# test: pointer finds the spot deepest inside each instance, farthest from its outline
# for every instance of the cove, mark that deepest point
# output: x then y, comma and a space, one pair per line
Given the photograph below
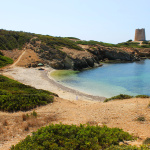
110, 79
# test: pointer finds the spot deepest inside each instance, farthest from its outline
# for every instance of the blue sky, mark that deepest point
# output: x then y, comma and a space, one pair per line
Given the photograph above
110, 21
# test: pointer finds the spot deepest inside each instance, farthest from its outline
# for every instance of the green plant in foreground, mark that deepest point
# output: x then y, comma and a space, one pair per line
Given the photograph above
66, 137
15, 96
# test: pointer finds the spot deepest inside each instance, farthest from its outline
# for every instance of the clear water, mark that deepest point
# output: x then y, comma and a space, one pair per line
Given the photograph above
112, 79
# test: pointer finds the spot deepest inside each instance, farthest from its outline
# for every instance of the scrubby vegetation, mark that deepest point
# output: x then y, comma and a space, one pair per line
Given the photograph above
58, 41
15, 96
91, 42
13, 39
73, 38
4, 60
124, 44
121, 96
66, 137
128, 147
142, 96
147, 141
141, 118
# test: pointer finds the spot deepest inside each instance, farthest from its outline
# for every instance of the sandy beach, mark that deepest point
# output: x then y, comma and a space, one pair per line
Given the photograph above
41, 79
67, 110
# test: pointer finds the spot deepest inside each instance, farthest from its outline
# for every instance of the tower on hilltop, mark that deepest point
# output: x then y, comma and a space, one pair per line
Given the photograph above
140, 35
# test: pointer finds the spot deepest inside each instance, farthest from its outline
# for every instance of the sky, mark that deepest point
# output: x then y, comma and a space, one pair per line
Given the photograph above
111, 21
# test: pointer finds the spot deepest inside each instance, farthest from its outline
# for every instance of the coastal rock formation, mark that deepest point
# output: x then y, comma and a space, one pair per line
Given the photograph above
66, 53
89, 57
116, 53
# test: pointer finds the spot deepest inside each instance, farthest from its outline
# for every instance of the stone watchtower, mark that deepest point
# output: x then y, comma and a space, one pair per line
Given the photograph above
140, 35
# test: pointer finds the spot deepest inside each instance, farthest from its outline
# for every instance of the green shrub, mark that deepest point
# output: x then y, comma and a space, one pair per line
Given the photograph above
52, 42
127, 147
142, 96
1, 53
91, 42
147, 141
145, 42
15, 96
73, 38
121, 96
5, 61
34, 114
16, 39
141, 118
12, 39
83, 137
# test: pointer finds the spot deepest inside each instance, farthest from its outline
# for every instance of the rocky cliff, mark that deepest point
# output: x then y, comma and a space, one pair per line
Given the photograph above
89, 56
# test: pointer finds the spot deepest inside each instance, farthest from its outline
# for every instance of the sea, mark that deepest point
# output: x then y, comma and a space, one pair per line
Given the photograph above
109, 80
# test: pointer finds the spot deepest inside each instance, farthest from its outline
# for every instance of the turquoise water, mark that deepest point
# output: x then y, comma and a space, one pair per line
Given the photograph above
112, 79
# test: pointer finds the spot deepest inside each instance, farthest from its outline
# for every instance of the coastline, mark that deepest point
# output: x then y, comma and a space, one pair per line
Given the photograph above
41, 79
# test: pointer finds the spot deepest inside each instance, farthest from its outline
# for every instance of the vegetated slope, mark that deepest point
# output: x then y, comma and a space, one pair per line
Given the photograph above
65, 53
73, 137
15, 96
4, 60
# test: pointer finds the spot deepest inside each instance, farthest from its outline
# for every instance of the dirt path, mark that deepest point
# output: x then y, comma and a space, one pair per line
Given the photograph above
19, 58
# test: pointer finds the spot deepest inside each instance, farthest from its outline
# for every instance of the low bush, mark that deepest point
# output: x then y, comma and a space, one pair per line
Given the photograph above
5, 61
141, 118
147, 141
73, 38
127, 147
54, 42
66, 137
34, 114
121, 96
91, 42
15, 96
142, 96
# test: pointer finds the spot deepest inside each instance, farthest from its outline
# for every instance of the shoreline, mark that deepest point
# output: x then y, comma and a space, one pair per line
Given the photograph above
41, 79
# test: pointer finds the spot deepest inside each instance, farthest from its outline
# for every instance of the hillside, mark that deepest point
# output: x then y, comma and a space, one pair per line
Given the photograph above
4, 60
19, 97
69, 52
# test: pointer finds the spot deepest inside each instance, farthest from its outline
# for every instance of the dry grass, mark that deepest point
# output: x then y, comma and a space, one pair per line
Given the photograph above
1, 130
5, 122
25, 117
21, 125
92, 123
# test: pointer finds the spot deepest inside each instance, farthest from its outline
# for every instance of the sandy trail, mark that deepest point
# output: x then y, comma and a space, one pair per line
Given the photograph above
17, 61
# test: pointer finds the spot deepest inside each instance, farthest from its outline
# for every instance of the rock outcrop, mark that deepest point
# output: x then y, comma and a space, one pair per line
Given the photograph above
89, 57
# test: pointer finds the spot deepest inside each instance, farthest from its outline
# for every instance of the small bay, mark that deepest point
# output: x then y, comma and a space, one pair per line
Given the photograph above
110, 79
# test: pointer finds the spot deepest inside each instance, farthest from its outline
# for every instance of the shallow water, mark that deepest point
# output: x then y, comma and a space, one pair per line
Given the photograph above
110, 79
